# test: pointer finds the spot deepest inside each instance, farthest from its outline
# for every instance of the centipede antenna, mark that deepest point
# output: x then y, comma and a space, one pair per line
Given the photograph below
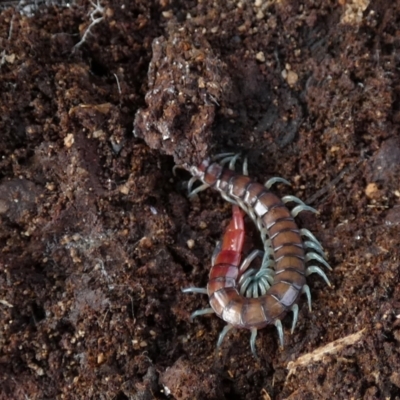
298, 209
195, 290
279, 328
199, 189
317, 270
306, 233
272, 181
295, 310
306, 290
314, 256
204, 311
312, 245
223, 333
175, 167
253, 337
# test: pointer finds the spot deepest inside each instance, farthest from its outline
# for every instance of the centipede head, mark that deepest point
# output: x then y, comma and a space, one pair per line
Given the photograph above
199, 171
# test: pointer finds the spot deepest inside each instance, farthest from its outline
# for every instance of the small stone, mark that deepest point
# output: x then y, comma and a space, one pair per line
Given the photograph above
167, 14
202, 225
100, 358
371, 190
190, 243
393, 216
98, 134
145, 242
10, 59
395, 379
292, 78
124, 189
260, 56
69, 140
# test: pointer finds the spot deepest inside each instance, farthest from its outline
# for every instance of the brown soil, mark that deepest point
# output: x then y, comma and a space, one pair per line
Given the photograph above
97, 236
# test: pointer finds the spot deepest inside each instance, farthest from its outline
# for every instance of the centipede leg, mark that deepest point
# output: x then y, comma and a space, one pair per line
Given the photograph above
306, 290
198, 313
228, 199
231, 159
222, 155
249, 259
253, 337
245, 167
298, 209
199, 189
295, 310
272, 181
314, 256
278, 325
194, 290
306, 233
223, 333
315, 246
316, 270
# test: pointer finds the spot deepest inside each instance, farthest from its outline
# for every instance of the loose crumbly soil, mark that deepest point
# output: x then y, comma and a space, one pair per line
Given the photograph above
98, 236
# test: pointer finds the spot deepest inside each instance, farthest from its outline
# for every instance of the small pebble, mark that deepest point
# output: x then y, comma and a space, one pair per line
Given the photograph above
260, 56
292, 78
69, 140
371, 190
393, 217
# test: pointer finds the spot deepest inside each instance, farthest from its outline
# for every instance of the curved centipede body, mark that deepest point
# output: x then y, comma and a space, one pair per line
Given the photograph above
284, 258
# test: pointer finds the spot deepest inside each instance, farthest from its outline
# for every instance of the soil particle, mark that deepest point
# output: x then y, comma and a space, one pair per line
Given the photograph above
385, 164
393, 216
186, 381
18, 198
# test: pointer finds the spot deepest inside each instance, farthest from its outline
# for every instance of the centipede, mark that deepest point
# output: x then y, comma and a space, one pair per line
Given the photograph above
242, 296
